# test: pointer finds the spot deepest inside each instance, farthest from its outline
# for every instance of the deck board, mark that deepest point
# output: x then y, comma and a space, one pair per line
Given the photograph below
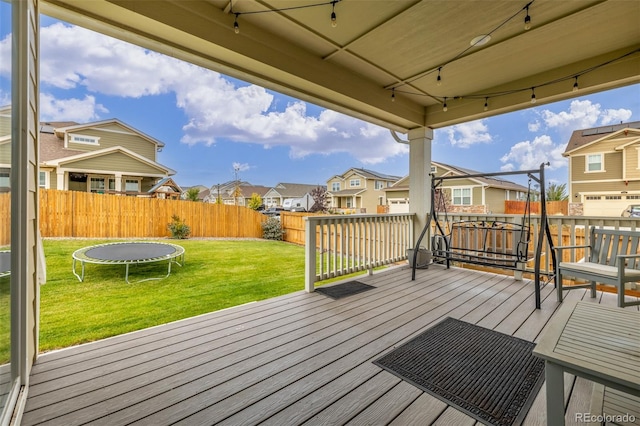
296, 359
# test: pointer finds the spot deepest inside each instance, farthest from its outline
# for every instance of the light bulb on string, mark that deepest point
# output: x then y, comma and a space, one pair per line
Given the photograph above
575, 85
444, 106
236, 26
533, 96
486, 104
334, 22
527, 20
393, 95
439, 79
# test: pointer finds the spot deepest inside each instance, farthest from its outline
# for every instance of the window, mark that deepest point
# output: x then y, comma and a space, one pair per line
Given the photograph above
349, 203
42, 182
112, 184
4, 179
594, 163
462, 196
633, 197
90, 140
379, 184
132, 185
434, 170
354, 183
592, 197
335, 186
97, 185
613, 197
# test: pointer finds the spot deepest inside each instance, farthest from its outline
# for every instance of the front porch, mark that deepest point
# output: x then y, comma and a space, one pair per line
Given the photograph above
301, 358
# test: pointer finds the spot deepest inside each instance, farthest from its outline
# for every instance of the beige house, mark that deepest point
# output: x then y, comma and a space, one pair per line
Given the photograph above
604, 168
103, 157
359, 190
468, 195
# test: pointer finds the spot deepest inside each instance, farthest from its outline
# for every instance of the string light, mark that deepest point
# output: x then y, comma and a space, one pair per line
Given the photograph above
527, 19
533, 95
575, 85
393, 95
444, 106
486, 104
439, 79
334, 22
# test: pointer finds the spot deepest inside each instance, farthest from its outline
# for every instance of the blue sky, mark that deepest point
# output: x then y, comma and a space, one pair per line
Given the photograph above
211, 123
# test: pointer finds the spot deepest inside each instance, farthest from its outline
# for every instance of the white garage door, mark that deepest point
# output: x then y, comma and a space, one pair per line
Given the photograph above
398, 206
606, 205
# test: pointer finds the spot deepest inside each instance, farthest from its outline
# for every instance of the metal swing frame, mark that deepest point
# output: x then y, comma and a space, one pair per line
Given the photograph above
484, 233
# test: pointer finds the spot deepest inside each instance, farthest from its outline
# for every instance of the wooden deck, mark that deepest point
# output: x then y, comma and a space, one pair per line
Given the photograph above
296, 359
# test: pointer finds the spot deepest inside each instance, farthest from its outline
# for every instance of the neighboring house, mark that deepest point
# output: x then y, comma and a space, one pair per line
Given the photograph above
203, 192
604, 168
468, 195
361, 190
276, 196
235, 192
103, 157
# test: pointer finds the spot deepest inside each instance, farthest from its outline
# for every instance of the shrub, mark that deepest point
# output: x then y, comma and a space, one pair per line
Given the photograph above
272, 229
178, 228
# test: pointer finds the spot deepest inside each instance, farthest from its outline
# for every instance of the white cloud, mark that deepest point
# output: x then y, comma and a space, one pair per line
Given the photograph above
216, 108
528, 155
535, 126
467, 134
583, 115
240, 167
80, 110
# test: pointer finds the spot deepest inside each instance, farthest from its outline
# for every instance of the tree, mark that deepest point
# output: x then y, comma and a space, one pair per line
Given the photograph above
192, 194
557, 192
255, 201
319, 196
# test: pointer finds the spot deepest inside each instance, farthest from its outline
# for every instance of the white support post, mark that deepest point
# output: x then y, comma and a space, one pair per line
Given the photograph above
420, 179
309, 255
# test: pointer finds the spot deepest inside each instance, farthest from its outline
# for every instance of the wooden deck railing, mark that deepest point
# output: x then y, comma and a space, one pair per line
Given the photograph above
342, 244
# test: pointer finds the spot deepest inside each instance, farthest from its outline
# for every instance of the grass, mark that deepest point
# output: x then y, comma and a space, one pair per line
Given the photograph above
217, 274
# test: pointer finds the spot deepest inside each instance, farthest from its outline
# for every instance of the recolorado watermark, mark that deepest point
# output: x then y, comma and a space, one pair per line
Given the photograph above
602, 418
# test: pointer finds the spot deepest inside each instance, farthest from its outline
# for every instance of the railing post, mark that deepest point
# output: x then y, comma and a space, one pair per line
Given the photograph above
309, 254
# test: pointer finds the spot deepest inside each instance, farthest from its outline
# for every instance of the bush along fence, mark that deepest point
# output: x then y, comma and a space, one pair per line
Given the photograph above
87, 215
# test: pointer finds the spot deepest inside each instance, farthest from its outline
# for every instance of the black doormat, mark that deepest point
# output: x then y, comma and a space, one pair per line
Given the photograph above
491, 376
339, 291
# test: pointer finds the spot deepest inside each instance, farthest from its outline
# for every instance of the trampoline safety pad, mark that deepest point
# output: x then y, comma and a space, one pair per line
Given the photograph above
128, 253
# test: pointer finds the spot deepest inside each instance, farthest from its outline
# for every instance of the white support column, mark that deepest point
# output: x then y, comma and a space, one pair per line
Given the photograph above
420, 180
61, 184
118, 179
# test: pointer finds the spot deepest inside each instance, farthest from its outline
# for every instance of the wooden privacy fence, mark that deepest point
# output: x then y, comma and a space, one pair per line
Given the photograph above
553, 207
83, 214
5, 218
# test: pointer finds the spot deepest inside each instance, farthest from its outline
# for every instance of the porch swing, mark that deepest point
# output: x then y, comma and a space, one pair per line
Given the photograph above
484, 242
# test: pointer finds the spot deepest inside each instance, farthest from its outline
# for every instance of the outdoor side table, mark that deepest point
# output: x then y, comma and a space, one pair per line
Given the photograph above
596, 342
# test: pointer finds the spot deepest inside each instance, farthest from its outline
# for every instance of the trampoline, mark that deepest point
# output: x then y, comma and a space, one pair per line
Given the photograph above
128, 253
5, 263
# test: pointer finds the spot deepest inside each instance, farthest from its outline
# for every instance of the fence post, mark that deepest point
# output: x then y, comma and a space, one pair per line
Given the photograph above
309, 254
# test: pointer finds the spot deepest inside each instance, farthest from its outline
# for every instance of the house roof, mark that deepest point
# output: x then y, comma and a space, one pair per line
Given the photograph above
347, 192
584, 137
61, 129
294, 190
82, 155
166, 182
493, 182
369, 174
52, 147
249, 190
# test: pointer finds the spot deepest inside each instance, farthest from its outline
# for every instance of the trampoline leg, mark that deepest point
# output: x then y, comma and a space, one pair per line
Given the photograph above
126, 273
73, 268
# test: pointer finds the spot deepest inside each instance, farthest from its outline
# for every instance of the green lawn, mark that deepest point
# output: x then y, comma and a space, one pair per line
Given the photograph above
217, 274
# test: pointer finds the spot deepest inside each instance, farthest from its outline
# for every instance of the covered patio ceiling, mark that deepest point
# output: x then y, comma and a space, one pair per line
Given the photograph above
385, 49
